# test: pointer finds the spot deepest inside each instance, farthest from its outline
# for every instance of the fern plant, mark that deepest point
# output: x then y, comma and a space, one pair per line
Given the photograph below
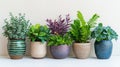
38, 33
16, 27
80, 29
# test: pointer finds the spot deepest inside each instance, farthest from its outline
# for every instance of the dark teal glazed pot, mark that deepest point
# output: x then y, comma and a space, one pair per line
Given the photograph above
103, 49
16, 49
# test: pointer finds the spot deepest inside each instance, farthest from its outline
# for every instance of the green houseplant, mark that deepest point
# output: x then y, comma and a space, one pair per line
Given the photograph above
38, 35
16, 29
59, 40
80, 32
103, 44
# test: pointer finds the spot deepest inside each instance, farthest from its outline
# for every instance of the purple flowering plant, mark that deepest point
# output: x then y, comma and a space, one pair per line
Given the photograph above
59, 26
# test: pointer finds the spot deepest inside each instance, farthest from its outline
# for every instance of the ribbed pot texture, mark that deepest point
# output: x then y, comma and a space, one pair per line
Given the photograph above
16, 48
103, 49
38, 50
82, 50
60, 52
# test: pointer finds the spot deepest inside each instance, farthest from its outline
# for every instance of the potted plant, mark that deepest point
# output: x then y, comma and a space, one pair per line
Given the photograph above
59, 40
80, 32
16, 30
60, 46
38, 35
103, 44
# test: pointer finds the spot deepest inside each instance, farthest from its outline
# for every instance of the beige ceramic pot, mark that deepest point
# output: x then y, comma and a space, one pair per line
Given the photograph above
38, 50
82, 50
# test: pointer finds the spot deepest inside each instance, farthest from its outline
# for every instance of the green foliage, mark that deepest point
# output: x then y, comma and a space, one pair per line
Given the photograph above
104, 33
56, 40
80, 29
16, 27
38, 33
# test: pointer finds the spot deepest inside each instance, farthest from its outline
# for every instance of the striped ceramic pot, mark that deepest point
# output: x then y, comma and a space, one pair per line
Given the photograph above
16, 49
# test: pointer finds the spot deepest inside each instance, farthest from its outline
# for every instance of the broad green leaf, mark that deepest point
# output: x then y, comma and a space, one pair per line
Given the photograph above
81, 18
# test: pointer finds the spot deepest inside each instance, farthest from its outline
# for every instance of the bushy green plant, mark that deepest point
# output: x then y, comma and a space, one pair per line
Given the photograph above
56, 40
104, 33
38, 33
16, 27
80, 29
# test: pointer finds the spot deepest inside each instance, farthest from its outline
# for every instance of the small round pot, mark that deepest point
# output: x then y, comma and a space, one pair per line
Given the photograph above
38, 50
103, 49
60, 52
82, 50
16, 48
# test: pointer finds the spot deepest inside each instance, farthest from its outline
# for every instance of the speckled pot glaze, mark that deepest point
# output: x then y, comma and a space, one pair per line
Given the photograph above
103, 49
38, 50
82, 50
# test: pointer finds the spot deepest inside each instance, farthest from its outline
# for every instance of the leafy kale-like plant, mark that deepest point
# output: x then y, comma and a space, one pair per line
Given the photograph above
16, 27
104, 33
56, 40
80, 29
59, 31
59, 26
38, 33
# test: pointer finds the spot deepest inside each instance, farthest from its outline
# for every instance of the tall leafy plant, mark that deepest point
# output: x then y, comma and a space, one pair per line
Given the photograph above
104, 33
38, 33
16, 27
80, 29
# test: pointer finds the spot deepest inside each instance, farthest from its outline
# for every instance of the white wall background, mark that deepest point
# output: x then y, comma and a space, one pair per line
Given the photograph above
39, 10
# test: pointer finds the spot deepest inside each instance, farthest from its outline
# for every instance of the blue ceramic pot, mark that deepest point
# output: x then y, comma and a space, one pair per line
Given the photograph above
16, 48
103, 49
60, 52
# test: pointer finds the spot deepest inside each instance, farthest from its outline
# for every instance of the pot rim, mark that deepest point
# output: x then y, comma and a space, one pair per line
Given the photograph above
63, 45
82, 43
38, 42
17, 39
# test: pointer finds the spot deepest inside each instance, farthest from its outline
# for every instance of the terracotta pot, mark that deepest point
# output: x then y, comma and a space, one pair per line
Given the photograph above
82, 50
38, 50
16, 48
60, 52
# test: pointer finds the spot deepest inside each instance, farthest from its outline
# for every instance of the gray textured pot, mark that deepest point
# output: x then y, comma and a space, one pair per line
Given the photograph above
60, 52
16, 49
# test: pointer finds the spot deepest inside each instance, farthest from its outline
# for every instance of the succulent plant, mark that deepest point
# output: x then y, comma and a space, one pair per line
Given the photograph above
60, 26
16, 27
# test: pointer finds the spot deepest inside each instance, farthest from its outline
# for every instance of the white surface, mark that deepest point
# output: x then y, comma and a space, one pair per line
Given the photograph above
39, 10
114, 61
